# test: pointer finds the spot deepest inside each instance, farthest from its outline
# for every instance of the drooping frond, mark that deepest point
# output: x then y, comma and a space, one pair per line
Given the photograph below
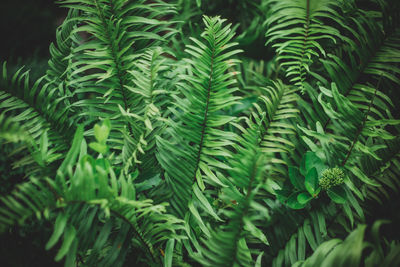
60, 62
375, 60
59, 72
32, 198
298, 30
384, 171
33, 108
11, 131
349, 252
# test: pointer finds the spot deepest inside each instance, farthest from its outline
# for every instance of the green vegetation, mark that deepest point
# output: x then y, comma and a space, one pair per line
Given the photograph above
163, 135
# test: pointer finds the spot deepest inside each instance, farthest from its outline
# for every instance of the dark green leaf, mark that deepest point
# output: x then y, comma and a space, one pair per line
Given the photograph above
311, 182
337, 194
304, 198
313, 161
293, 203
296, 178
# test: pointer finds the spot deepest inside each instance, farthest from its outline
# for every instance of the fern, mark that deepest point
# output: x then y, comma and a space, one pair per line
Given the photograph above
302, 41
152, 139
208, 92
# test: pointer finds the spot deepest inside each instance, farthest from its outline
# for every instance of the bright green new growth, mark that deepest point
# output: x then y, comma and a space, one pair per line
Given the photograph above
331, 177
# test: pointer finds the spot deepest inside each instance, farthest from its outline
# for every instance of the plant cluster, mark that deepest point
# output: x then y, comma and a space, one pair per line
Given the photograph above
152, 140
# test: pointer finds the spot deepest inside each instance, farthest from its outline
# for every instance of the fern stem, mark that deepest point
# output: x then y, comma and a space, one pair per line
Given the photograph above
246, 202
113, 54
362, 125
303, 51
148, 246
359, 74
204, 123
62, 131
137, 232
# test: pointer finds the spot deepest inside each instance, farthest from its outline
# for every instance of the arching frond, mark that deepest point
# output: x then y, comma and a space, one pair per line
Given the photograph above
33, 107
12, 132
336, 252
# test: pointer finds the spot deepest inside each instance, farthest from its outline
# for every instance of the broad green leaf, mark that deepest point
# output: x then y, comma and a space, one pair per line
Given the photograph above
102, 131
304, 198
313, 161
311, 182
282, 195
98, 147
293, 203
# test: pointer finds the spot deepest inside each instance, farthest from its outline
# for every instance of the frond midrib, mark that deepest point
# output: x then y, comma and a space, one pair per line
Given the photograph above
204, 123
54, 125
247, 201
114, 56
360, 73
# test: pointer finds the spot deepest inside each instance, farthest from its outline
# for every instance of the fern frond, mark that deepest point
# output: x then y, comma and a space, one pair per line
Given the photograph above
90, 183
190, 156
10, 131
384, 171
33, 107
148, 108
298, 29
349, 252
32, 198
60, 62
227, 246
277, 105
118, 32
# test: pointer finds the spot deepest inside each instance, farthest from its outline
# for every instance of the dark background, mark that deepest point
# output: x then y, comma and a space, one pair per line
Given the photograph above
27, 27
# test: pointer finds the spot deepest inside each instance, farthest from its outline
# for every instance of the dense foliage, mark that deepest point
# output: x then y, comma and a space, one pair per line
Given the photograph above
157, 137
